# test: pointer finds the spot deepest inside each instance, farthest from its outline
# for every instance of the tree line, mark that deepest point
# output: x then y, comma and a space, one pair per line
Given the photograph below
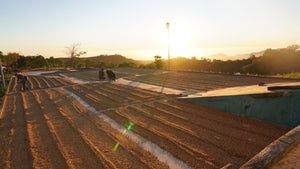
15, 62
273, 61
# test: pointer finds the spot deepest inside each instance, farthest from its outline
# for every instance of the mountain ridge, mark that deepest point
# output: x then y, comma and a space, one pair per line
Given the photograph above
221, 56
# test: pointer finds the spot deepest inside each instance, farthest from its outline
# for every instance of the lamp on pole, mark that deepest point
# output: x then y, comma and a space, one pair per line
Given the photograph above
168, 43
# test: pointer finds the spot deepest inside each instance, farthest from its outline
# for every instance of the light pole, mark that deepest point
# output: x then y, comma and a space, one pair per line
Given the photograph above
168, 43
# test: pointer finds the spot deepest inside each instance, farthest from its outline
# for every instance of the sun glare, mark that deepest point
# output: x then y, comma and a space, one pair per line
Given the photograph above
178, 41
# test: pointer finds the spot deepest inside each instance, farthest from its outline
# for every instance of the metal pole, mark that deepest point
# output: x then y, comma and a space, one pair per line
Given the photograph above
2, 74
168, 43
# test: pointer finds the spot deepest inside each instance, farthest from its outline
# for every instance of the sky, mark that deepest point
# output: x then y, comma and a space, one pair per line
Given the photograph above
137, 28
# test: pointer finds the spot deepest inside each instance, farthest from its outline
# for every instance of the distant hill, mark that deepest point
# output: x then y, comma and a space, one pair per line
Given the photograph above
117, 59
111, 58
222, 56
245, 56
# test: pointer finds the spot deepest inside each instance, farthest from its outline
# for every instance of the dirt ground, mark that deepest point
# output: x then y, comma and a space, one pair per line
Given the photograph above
187, 81
195, 81
45, 127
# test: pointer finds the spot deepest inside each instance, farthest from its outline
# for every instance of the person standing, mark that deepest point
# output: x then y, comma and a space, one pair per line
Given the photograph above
22, 79
101, 74
111, 75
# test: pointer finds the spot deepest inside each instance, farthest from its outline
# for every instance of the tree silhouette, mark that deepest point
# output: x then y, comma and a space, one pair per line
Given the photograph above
73, 50
158, 62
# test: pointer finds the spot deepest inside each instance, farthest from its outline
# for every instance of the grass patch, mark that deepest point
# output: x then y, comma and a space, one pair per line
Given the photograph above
295, 75
3, 89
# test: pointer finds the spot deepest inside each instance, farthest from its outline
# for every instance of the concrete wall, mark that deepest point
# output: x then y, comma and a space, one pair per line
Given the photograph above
282, 108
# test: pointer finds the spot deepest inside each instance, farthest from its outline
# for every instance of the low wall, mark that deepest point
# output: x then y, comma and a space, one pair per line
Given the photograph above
282, 108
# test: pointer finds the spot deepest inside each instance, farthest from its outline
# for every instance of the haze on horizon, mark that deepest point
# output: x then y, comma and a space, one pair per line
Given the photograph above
137, 28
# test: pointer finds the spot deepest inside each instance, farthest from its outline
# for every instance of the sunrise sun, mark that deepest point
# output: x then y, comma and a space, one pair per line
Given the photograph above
178, 41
